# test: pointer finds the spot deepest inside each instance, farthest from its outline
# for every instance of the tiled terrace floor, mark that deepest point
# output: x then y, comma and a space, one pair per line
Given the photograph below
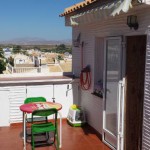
74, 138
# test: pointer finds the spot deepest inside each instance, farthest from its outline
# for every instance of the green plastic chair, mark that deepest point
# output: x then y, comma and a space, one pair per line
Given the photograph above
36, 119
37, 128
34, 99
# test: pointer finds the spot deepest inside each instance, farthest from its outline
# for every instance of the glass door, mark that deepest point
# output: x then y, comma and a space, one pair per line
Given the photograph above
112, 76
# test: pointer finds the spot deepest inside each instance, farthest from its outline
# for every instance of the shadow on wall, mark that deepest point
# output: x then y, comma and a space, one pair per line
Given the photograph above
76, 92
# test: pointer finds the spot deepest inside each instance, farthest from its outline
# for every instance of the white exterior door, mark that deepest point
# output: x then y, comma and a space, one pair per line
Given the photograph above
4, 108
112, 98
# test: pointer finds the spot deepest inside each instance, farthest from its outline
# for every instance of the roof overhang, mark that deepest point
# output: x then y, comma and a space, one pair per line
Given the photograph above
102, 12
77, 7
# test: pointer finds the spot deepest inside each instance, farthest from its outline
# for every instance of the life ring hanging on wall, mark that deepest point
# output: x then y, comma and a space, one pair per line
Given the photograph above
85, 76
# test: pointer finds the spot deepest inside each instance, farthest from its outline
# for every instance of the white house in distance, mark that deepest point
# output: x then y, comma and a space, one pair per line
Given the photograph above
67, 55
7, 52
111, 46
22, 59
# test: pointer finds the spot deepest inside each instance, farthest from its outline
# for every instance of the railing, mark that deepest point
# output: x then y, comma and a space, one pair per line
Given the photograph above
26, 70
13, 70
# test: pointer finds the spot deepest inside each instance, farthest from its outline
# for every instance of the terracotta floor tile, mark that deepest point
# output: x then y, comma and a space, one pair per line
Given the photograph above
73, 138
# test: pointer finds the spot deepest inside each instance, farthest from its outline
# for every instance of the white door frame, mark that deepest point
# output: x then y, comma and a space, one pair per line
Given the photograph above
120, 111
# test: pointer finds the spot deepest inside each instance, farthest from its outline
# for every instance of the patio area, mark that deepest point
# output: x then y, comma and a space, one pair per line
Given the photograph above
73, 138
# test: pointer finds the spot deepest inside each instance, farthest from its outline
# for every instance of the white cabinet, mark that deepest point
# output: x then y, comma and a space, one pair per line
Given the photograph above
4, 107
10, 100
56, 91
17, 95
40, 91
62, 98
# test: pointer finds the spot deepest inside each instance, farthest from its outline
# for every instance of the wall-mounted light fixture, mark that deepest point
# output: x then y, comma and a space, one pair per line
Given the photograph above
140, 1
132, 22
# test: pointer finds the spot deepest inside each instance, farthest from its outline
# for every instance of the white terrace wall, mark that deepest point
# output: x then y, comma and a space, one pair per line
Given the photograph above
90, 32
13, 96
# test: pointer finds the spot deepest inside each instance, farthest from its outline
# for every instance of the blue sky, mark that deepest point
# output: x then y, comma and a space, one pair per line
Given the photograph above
34, 18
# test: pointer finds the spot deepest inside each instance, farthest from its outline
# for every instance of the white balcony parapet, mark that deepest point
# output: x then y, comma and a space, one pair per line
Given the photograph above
26, 69
14, 70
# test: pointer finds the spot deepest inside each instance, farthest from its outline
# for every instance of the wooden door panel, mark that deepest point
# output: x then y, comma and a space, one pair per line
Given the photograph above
135, 70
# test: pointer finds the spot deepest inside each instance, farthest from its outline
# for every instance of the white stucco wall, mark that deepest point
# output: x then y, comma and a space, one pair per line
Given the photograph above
114, 26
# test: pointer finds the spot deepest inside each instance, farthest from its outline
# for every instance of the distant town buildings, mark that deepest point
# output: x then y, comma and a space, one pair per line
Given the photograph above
35, 61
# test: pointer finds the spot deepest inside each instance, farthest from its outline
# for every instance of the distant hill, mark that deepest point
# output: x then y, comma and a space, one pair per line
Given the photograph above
36, 41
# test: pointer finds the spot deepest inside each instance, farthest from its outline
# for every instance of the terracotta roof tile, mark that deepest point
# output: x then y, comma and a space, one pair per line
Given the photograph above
77, 7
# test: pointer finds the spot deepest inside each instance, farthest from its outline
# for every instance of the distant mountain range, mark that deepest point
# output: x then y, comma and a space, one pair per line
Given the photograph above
36, 41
